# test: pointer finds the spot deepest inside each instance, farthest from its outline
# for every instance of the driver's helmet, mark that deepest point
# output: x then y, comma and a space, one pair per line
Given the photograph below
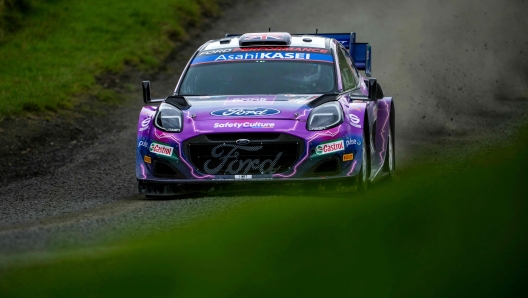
307, 72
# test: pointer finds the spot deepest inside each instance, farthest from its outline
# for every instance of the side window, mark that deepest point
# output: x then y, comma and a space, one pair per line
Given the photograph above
346, 73
351, 62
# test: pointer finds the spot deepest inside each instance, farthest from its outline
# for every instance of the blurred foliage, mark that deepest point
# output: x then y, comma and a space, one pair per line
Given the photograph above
54, 50
11, 14
442, 231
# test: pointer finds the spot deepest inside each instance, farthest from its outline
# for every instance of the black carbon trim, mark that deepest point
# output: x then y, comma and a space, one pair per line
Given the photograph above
322, 100
178, 101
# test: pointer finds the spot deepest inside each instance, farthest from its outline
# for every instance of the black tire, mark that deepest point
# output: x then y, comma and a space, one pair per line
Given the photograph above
389, 165
150, 197
364, 174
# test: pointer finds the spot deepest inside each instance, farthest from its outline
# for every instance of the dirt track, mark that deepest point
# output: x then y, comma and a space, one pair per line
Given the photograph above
458, 71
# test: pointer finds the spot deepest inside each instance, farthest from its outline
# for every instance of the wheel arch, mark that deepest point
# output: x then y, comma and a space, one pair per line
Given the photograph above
366, 140
392, 120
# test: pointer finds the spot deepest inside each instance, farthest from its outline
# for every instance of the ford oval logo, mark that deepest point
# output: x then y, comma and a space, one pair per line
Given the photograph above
242, 142
245, 112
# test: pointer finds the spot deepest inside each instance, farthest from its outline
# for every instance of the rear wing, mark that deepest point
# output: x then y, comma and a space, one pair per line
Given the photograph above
361, 53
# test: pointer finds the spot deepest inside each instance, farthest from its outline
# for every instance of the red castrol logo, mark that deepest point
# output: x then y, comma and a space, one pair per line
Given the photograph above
161, 149
330, 147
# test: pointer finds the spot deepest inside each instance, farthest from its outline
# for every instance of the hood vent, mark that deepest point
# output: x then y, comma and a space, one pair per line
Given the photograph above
323, 99
178, 101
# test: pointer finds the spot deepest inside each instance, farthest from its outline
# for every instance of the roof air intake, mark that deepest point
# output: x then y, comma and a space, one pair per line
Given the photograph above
267, 38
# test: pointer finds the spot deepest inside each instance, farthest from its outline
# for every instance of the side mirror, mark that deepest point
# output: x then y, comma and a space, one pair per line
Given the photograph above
372, 86
368, 61
146, 93
374, 89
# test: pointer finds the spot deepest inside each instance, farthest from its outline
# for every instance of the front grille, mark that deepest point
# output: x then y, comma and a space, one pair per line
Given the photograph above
257, 157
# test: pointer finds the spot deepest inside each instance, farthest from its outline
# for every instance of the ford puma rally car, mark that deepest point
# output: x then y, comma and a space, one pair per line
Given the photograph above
268, 107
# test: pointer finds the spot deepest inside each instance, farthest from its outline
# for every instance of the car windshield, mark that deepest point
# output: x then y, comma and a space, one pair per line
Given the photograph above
258, 77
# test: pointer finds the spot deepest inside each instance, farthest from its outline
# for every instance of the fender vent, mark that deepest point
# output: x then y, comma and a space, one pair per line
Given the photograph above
164, 170
329, 166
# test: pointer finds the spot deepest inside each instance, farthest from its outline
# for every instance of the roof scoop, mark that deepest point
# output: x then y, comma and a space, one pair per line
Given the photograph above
266, 38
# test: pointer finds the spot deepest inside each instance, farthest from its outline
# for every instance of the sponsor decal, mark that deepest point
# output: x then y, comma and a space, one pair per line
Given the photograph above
356, 125
143, 144
145, 123
250, 99
263, 56
242, 142
330, 147
354, 120
303, 99
264, 49
217, 51
347, 157
226, 157
161, 149
350, 142
244, 177
209, 96
282, 49
147, 159
245, 112
244, 125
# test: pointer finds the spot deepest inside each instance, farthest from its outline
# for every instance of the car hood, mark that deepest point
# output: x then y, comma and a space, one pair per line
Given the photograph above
283, 106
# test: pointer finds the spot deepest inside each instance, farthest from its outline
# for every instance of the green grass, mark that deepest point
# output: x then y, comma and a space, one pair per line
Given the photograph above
438, 231
12, 13
64, 45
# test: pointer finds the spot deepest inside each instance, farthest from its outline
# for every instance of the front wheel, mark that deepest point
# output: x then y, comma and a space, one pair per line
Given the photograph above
389, 165
362, 180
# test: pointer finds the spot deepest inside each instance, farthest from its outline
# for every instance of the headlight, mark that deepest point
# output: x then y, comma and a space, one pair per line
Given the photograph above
169, 118
325, 116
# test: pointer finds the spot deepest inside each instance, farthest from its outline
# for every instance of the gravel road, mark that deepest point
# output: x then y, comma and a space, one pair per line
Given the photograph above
458, 71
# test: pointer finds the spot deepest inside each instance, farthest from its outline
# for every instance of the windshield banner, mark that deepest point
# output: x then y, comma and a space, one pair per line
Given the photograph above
263, 56
264, 49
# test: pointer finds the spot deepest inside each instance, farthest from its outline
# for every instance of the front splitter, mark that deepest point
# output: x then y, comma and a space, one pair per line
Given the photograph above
270, 186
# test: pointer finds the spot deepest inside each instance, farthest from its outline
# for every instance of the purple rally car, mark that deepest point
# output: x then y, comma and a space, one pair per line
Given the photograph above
268, 107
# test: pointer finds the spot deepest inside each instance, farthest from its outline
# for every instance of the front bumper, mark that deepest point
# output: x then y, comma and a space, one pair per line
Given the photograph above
269, 156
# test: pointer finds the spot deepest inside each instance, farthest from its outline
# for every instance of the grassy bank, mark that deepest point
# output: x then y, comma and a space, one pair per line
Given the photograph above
12, 13
60, 47
441, 231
